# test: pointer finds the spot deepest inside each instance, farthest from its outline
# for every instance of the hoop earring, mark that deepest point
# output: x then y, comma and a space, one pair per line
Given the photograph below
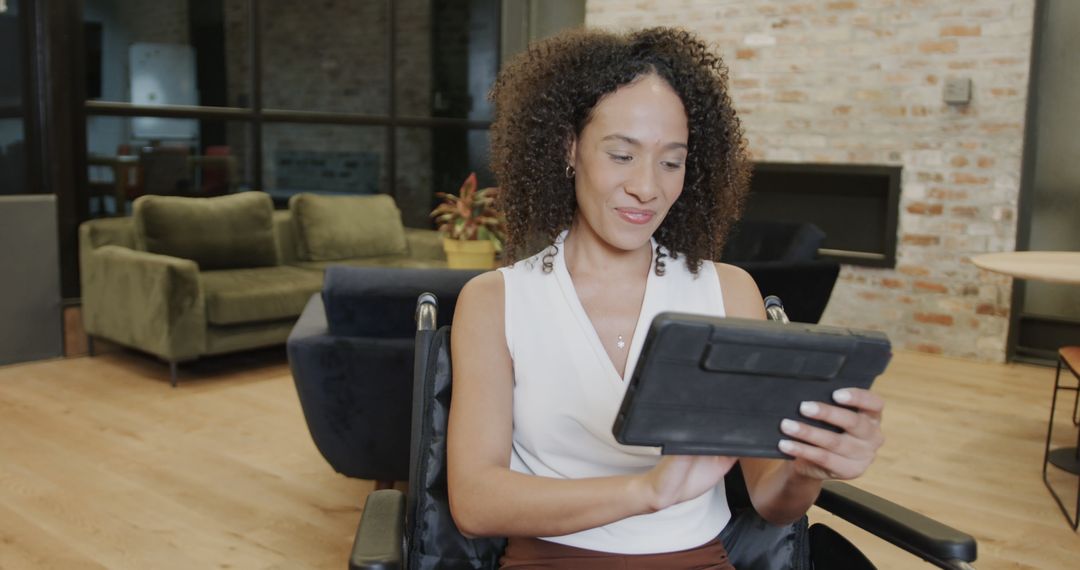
569, 171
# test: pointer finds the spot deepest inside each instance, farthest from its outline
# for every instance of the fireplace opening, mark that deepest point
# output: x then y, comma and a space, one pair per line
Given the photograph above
855, 205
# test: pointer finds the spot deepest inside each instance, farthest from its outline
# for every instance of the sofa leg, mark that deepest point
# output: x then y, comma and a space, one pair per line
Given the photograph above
172, 373
383, 484
90, 345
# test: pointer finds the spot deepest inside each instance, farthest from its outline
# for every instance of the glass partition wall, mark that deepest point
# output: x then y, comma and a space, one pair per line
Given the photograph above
208, 97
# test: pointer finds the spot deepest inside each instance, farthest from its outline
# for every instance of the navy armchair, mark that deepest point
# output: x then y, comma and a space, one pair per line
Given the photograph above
782, 258
351, 356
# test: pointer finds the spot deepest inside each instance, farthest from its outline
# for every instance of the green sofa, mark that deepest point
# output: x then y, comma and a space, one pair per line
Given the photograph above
187, 277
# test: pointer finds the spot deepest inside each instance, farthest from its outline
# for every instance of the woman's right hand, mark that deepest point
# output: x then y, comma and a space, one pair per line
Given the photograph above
679, 478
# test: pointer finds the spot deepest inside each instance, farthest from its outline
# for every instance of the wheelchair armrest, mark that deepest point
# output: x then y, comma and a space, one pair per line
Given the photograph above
922, 536
378, 544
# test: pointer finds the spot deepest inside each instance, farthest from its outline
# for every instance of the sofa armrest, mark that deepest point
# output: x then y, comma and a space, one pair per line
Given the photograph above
312, 321
144, 300
922, 536
379, 538
425, 244
355, 394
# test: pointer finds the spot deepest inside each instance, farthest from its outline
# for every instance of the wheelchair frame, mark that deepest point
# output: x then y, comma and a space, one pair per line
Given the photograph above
380, 536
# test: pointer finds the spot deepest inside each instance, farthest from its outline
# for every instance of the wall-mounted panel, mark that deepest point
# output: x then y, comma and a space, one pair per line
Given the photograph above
30, 314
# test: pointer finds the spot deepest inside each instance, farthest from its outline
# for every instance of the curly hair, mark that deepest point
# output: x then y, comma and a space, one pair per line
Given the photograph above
544, 98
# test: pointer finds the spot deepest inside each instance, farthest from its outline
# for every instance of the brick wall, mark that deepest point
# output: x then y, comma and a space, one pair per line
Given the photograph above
860, 81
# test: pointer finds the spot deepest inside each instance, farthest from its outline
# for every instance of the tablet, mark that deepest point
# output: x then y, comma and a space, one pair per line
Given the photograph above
720, 386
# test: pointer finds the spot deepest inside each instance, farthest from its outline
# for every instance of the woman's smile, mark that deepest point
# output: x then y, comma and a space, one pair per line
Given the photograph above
635, 215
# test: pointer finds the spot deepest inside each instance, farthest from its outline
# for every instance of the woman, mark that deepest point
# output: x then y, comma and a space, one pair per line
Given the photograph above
622, 164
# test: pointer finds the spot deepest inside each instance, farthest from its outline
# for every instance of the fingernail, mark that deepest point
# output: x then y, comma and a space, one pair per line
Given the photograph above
789, 426
809, 408
786, 446
842, 396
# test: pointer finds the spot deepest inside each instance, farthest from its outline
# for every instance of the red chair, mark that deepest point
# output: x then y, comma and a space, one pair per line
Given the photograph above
1065, 458
218, 170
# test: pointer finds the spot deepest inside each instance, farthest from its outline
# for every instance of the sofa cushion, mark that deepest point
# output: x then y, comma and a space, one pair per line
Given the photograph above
235, 296
217, 233
341, 227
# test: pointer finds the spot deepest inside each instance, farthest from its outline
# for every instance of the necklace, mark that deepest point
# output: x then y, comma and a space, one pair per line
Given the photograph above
620, 343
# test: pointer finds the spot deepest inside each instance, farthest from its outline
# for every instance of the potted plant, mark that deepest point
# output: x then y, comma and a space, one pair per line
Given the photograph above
472, 228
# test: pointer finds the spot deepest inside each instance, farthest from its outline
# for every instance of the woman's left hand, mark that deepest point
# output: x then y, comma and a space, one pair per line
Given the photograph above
823, 454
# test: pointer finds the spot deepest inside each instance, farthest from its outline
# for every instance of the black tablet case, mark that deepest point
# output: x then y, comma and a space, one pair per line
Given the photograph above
720, 386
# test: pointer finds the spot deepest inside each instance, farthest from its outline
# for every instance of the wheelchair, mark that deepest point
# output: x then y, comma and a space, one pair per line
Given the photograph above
417, 532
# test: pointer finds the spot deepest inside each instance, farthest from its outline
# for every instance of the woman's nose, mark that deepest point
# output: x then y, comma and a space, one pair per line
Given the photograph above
643, 184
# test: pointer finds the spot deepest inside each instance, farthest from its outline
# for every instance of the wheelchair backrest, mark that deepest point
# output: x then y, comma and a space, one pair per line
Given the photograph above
432, 539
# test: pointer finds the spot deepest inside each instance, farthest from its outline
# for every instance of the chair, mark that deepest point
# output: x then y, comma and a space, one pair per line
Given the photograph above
124, 171
1065, 458
351, 355
217, 171
782, 258
165, 170
805, 285
767, 240
418, 532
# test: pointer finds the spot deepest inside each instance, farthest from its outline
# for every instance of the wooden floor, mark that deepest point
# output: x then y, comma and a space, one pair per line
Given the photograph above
102, 465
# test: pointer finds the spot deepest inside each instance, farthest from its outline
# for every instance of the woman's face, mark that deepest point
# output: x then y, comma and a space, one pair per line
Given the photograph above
630, 161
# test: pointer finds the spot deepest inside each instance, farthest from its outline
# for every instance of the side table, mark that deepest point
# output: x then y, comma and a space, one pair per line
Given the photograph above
1055, 267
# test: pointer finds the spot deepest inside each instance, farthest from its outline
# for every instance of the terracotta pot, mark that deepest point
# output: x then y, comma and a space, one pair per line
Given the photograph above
469, 254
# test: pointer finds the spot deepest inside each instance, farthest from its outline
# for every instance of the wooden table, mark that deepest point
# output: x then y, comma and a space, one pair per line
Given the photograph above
1051, 266
129, 174
124, 168
1054, 267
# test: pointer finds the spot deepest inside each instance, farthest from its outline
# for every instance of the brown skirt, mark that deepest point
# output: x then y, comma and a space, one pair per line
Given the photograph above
534, 553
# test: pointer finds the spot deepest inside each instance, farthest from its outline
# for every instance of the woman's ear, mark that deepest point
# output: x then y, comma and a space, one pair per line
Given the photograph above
571, 152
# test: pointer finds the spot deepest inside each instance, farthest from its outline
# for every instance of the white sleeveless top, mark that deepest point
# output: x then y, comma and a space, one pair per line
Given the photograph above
567, 393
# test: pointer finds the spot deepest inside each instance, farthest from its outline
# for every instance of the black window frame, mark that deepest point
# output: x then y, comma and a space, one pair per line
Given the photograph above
255, 115
27, 107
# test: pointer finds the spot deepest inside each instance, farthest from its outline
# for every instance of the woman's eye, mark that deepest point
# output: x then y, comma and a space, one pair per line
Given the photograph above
620, 157
671, 165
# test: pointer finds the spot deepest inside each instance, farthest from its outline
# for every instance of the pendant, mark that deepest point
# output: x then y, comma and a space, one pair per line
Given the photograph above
620, 343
